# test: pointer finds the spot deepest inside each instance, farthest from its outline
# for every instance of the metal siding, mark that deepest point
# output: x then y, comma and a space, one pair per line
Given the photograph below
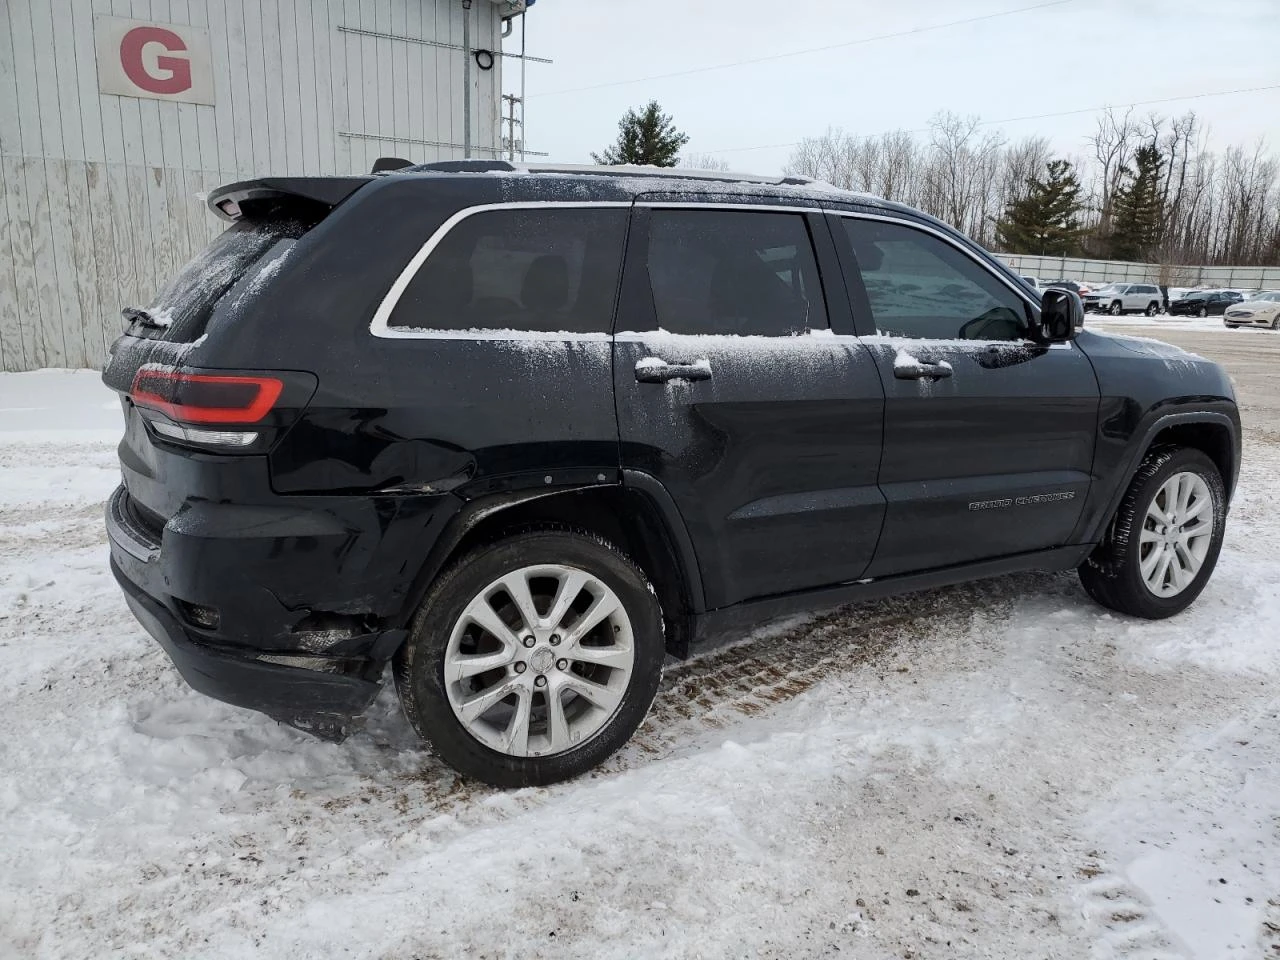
102, 196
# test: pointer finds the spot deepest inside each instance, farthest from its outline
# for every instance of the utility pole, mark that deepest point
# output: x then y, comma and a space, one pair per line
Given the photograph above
513, 144
466, 79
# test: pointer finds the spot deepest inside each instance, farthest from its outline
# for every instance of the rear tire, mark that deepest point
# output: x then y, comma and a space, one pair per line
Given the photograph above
1119, 574
603, 680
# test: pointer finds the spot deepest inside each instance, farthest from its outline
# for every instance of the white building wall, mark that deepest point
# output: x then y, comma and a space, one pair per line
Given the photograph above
101, 196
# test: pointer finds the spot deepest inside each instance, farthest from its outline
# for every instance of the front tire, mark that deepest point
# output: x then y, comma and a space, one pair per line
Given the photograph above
533, 659
1164, 542
1115, 309
1203, 312
1152, 309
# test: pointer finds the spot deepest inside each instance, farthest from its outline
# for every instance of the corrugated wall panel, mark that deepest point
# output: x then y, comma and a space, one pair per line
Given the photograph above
102, 196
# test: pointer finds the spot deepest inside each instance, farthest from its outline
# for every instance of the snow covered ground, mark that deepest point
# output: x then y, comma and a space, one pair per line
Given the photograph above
1166, 322
995, 770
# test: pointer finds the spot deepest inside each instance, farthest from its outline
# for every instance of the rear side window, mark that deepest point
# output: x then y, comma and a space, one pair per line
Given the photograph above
181, 309
921, 286
733, 272
550, 270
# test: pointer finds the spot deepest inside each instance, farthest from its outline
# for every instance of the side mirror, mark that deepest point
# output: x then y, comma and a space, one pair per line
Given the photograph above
1061, 316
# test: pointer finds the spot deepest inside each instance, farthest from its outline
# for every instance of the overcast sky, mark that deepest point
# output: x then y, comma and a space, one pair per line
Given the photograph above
1061, 55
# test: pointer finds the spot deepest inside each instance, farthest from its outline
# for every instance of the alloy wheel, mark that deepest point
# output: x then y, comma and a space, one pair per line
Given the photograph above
1177, 532
539, 661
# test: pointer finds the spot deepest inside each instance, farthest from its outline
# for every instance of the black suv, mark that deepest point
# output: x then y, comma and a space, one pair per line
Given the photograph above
524, 432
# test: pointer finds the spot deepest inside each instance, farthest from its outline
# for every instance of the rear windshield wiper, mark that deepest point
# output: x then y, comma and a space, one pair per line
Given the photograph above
144, 317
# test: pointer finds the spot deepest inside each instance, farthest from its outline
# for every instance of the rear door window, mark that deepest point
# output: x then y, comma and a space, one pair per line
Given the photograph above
733, 272
544, 270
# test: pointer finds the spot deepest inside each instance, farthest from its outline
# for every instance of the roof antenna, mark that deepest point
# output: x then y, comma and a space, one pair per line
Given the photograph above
383, 164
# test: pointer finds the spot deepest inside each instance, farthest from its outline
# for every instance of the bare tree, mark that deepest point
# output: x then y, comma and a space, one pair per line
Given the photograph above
962, 166
1114, 142
704, 161
1216, 207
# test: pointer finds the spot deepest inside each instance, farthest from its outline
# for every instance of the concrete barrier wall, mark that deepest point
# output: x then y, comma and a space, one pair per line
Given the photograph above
1113, 271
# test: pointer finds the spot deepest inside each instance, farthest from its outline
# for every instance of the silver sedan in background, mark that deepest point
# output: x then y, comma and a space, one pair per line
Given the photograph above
1260, 310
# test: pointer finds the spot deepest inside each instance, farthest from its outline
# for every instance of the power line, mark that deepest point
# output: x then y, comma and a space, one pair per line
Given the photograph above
800, 53
1036, 116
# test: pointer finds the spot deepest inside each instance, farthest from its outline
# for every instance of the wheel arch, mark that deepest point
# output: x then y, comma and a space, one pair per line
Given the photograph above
637, 516
1214, 433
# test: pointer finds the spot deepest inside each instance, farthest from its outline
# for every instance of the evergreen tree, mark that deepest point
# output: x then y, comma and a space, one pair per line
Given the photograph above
1047, 220
1137, 212
645, 137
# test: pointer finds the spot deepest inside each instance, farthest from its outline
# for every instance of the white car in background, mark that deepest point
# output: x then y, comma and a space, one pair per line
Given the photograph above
1261, 310
1118, 298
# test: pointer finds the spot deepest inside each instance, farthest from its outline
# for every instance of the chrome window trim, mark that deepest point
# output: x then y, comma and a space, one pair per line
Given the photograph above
380, 326
941, 235
701, 204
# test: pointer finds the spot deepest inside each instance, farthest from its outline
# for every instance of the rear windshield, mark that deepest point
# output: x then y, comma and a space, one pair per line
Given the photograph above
181, 309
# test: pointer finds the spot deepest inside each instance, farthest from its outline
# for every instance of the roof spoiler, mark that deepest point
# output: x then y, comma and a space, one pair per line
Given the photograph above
234, 200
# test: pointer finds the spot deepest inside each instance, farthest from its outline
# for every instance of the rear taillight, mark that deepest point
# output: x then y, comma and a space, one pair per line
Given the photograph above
204, 397
224, 411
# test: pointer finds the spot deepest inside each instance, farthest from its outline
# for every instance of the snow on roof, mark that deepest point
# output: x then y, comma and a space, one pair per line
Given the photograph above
657, 179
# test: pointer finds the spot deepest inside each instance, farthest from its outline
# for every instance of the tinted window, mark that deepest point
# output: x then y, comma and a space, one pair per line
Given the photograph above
182, 307
733, 272
546, 270
921, 286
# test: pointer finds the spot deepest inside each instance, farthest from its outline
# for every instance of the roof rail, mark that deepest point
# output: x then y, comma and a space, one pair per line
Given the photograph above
619, 170
466, 166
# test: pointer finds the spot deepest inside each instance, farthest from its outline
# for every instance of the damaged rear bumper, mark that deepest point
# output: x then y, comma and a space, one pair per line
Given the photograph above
319, 692
319, 702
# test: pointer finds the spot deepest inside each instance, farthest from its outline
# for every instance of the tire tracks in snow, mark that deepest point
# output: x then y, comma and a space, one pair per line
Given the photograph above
714, 691
1269, 934
1119, 918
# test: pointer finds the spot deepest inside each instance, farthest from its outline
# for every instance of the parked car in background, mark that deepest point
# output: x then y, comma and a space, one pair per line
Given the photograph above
1204, 303
1261, 310
1033, 282
1118, 298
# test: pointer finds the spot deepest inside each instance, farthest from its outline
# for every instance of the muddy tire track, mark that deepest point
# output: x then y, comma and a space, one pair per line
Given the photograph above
1119, 921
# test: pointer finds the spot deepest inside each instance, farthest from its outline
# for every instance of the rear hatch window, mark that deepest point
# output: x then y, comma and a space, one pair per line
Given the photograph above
181, 310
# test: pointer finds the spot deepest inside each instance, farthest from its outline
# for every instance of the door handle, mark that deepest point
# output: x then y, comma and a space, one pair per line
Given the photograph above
920, 370
653, 370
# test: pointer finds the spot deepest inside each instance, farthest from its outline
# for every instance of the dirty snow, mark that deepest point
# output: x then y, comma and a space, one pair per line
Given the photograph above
995, 770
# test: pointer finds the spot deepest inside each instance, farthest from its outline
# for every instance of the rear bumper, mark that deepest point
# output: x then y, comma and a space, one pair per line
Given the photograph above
316, 693
317, 702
